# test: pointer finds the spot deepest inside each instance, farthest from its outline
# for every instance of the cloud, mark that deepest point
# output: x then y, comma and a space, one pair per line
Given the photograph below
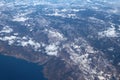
110, 32
6, 29
52, 50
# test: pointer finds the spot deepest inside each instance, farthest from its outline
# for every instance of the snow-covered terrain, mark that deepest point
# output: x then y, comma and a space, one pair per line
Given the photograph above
83, 35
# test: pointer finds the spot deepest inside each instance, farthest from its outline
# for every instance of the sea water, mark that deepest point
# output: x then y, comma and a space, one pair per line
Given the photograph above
16, 69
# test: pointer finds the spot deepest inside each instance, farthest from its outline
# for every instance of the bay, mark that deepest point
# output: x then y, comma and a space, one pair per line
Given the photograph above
16, 69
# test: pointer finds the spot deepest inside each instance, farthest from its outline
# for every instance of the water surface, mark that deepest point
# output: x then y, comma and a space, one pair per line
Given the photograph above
16, 69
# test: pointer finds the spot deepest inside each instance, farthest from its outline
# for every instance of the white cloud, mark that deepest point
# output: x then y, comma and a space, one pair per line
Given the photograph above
82, 60
52, 50
26, 41
110, 32
111, 49
7, 38
21, 41
1, 4
101, 78
119, 27
89, 1
90, 49
6, 29
15, 34
119, 64
10, 39
20, 19
55, 34
56, 14
95, 20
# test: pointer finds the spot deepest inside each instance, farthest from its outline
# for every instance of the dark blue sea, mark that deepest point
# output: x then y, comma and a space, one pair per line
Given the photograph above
16, 69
